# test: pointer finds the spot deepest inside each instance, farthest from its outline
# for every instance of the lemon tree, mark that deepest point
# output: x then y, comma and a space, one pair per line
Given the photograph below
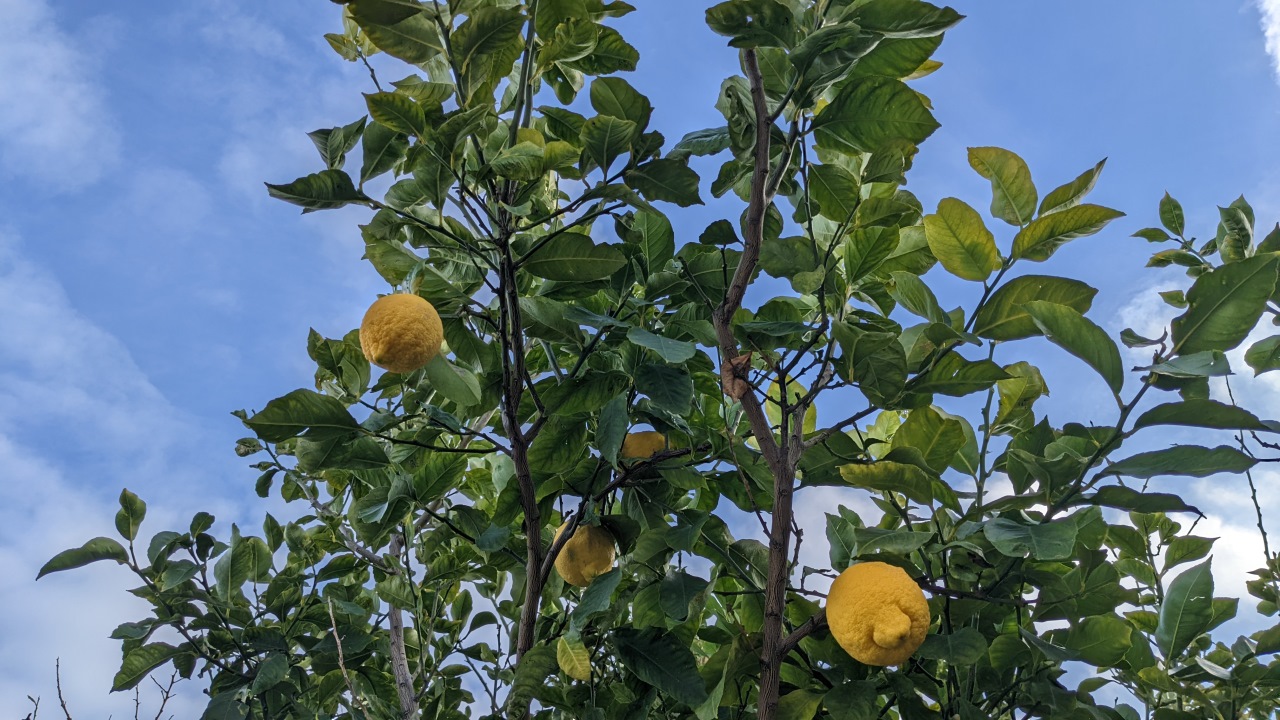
572, 493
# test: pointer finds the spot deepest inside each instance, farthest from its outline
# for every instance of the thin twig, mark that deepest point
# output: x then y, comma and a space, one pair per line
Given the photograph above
342, 663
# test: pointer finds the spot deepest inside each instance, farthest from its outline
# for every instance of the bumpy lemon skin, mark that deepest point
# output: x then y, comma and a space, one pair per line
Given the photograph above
642, 445
877, 613
401, 333
586, 555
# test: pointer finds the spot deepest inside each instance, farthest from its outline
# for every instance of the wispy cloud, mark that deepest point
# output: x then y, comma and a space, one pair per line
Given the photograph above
54, 125
78, 420
1270, 10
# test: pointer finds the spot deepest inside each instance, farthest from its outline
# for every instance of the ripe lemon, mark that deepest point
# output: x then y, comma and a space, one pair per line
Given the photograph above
642, 444
877, 613
401, 333
584, 556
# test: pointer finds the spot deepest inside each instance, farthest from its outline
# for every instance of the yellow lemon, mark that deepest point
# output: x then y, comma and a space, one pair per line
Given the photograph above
642, 444
877, 613
585, 555
401, 333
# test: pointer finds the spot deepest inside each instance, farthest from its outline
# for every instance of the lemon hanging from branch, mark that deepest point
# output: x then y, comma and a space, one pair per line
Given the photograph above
587, 554
877, 613
401, 333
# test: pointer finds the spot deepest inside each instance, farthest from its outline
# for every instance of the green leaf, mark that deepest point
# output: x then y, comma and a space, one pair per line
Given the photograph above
1187, 460
652, 231
872, 113
1044, 541
667, 180
1101, 640
385, 12
1171, 215
1079, 336
1264, 355
453, 382
673, 351
521, 162
129, 518
853, 700
1044, 235
890, 476
611, 429
1186, 611
531, 676
301, 410
711, 141
1224, 305
753, 23
1003, 316
965, 646
906, 18
676, 591
271, 672
866, 249
324, 190
937, 438
595, 599
605, 137
382, 148
414, 39
957, 377
100, 548
1071, 194
909, 290
616, 97
798, 705
961, 241
1013, 193
573, 658
397, 111
835, 189
668, 387
333, 144
486, 30
1124, 498
139, 662
661, 660
1201, 413
573, 257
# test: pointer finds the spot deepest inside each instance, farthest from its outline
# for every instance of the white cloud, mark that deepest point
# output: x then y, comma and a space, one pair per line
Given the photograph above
54, 126
78, 421
1270, 10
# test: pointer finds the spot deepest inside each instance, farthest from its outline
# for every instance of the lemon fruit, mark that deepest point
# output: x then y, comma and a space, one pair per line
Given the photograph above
401, 333
585, 555
644, 444
877, 613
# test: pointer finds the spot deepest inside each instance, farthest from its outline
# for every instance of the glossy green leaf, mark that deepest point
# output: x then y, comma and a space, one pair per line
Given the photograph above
1201, 413
1079, 336
1074, 192
129, 518
1013, 193
1043, 541
101, 548
906, 18
324, 190
1186, 460
1224, 305
1044, 235
753, 23
666, 180
961, 241
616, 97
836, 191
139, 662
573, 257
605, 138
661, 660
673, 351
872, 113
1171, 215
301, 410
965, 646
1186, 611
1264, 355
1003, 316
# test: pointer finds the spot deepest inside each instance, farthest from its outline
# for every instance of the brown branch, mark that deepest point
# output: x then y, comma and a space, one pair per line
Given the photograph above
342, 663
399, 658
810, 626
57, 674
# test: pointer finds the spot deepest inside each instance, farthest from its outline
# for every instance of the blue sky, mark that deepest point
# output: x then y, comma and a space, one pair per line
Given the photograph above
148, 286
